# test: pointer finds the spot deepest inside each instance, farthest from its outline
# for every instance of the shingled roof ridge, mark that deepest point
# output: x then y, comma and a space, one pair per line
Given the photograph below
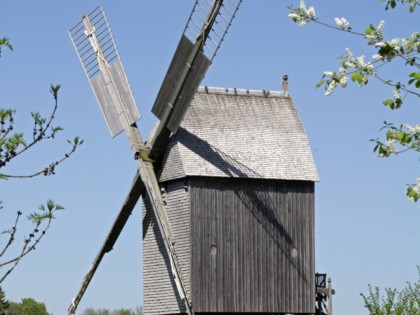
240, 92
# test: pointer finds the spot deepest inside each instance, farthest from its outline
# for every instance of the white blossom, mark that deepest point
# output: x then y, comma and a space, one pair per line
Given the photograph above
342, 23
381, 25
396, 95
311, 12
390, 147
302, 5
302, 15
361, 61
328, 73
412, 43
294, 15
349, 54
343, 81
391, 144
331, 87
409, 128
377, 57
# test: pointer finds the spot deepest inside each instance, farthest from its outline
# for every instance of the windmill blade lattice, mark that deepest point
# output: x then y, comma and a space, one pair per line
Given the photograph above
103, 34
95, 45
197, 23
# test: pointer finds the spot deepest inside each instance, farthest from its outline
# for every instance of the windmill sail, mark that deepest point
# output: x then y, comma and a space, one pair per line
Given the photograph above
98, 53
117, 103
204, 32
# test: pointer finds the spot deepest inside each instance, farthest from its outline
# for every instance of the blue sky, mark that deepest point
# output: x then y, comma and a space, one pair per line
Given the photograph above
366, 230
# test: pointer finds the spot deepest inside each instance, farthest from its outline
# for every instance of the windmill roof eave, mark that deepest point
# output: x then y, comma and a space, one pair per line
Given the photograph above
229, 132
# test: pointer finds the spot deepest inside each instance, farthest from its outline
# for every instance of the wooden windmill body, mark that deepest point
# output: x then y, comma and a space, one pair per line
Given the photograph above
227, 180
238, 183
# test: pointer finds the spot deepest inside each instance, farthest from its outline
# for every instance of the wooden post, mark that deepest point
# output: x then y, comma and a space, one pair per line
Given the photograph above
330, 293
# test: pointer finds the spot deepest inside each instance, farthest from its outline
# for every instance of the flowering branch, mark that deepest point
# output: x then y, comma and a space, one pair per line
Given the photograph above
398, 140
45, 213
13, 145
406, 49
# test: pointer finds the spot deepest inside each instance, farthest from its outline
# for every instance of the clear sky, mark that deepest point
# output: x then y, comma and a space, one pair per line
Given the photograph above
366, 230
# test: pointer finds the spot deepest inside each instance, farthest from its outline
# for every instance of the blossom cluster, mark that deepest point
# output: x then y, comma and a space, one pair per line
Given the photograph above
360, 70
415, 134
413, 4
302, 15
343, 24
413, 191
388, 148
375, 34
403, 47
406, 136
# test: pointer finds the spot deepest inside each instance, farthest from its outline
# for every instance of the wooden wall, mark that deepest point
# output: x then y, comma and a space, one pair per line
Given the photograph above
159, 289
252, 245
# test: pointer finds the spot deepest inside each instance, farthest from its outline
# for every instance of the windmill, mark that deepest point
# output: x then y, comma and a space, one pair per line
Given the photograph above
93, 40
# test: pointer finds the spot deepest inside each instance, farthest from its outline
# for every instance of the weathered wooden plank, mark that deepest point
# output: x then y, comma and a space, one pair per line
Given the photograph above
267, 223
167, 88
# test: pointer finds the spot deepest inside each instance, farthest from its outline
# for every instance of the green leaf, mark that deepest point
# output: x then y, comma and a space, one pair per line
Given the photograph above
389, 103
393, 4
357, 76
54, 90
320, 83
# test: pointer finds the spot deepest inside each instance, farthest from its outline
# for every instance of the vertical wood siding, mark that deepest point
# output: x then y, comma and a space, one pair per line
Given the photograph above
252, 245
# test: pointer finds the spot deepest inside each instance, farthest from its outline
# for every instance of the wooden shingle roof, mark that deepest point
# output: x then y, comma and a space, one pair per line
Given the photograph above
240, 133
